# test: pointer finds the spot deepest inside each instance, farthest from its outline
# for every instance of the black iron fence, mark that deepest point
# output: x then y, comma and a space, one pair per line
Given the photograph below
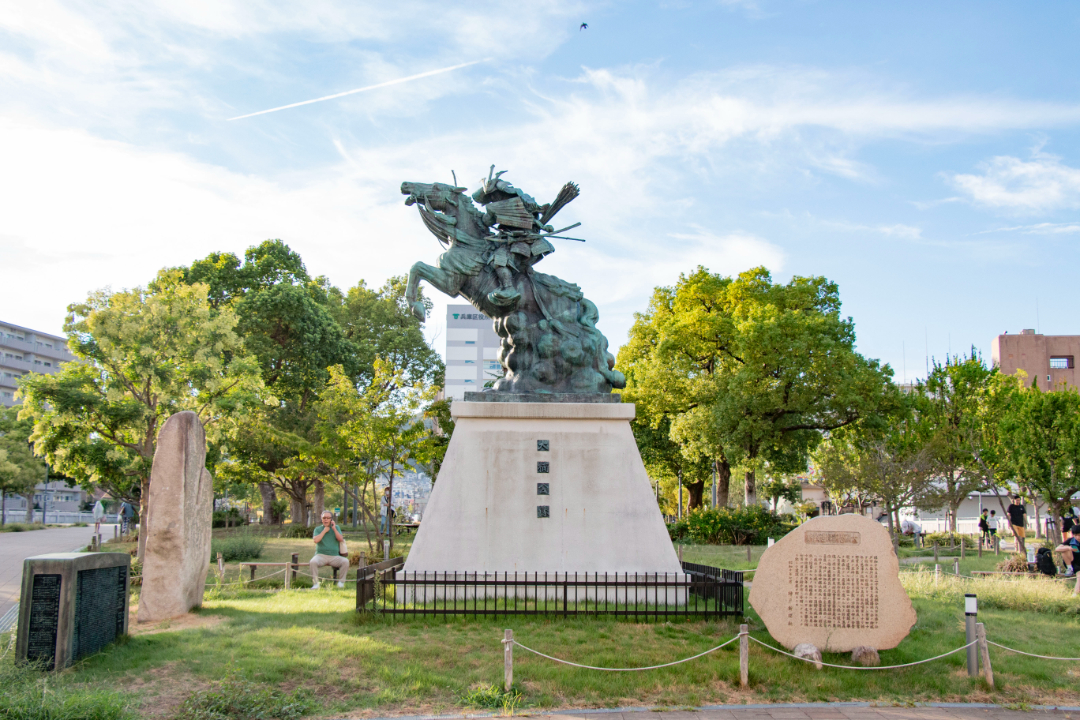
699, 591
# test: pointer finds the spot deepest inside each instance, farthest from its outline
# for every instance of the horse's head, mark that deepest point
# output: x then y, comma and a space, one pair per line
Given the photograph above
443, 206
436, 196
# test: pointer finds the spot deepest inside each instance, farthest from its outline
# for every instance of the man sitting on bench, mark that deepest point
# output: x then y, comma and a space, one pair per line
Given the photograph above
1070, 551
327, 542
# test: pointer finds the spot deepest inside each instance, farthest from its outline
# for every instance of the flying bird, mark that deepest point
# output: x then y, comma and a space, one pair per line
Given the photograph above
584, 26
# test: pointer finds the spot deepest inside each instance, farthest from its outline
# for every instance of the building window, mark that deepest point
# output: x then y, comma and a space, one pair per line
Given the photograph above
37, 362
48, 364
1061, 362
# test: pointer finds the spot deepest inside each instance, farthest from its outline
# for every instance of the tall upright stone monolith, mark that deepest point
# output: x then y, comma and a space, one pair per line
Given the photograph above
179, 515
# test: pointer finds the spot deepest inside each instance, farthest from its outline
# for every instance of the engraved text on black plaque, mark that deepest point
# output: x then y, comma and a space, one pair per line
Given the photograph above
44, 617
543, 511
542, 489
542, 445
99, 602
541, 467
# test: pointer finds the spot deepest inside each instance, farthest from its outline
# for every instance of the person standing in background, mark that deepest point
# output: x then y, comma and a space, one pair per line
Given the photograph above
99, 513
1018, 522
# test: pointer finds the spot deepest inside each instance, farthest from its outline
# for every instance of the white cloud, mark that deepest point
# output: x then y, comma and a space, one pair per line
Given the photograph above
1039, 229
1037, 185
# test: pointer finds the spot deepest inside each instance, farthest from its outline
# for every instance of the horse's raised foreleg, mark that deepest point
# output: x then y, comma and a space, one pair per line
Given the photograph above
441, 280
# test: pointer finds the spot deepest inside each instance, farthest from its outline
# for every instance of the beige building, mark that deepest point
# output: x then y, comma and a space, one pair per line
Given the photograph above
1049, 360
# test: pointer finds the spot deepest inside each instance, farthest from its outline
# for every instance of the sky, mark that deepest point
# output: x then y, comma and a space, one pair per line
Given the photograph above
924, 156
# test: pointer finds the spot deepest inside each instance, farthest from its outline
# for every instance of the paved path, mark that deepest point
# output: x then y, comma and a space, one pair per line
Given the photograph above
817, 711
17, 546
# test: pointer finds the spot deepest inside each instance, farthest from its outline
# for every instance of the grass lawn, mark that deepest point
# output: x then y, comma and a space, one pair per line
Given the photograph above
374, 665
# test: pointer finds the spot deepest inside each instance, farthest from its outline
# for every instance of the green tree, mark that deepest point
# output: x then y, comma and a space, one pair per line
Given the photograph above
1042, 432
145, 354
887, 459
20, 470
668, 465
949, 407
780, 488
749, 371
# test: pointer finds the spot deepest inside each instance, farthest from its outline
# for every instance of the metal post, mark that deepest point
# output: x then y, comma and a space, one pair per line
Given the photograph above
956, 567
744, 657
984, 651
935, 552
997, 545
971, 615
680, 554
508, 659
221, 568
961, 548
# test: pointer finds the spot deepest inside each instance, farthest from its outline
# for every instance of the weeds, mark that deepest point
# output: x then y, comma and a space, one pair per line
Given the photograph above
493, 697
236, 699
21, 527
30, 693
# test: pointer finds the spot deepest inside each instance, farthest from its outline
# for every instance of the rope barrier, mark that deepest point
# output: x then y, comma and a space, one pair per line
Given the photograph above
1021, 652
879, 667
592, 667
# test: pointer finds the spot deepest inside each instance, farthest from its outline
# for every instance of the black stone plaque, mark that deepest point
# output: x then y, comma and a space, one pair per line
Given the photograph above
542, 445
99, 608
44, 618
543, 511
542, 467
542, 489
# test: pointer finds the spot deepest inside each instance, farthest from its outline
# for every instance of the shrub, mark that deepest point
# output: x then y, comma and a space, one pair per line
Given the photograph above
493, 697
239, 547
946, 539
732, 526
21, 527
230, 518
234, 699
298, 531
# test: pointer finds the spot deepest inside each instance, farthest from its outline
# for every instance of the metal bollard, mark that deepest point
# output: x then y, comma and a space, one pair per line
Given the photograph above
744, 656
508, 659
971, 615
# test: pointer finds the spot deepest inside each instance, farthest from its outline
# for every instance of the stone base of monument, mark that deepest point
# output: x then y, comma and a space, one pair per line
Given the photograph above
555, 487
575, 589
72, 605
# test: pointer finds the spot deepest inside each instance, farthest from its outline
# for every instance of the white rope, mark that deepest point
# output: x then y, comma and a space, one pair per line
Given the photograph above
1021, 652
856, 667
591, 667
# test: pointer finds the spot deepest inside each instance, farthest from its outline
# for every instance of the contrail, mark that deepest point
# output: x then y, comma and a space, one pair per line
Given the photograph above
429, 73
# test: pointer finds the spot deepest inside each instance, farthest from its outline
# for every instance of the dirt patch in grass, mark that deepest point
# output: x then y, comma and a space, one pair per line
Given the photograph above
162, 690
191, 621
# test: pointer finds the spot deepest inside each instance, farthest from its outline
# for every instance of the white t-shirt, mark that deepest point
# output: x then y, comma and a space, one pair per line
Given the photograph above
909, 527
992, 522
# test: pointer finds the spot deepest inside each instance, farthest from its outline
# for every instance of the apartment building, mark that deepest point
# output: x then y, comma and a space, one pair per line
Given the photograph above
1049, 360
23, 351
472, 351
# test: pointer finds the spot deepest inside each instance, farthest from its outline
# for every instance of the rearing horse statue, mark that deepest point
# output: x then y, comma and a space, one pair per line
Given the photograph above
550, 343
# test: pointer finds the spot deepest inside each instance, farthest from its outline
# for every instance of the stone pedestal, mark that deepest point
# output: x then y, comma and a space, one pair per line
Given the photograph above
180, 512
72, 605
553, 487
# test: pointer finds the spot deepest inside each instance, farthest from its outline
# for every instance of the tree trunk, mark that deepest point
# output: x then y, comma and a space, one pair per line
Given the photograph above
319, 501
144, 516
266, 490
29, 506
954, 510
697, 495
723, 481
296, 510
1038, 524
751, 489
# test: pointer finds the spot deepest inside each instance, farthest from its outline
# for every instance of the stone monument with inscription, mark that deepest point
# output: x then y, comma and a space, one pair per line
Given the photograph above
542, 473
179, 517
72, 605
833, 582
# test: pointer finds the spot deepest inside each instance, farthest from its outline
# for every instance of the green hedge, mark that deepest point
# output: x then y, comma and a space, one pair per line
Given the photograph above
732, 526
237, 548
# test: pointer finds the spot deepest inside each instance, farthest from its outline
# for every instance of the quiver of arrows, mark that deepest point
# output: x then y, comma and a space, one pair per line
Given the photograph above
569, 192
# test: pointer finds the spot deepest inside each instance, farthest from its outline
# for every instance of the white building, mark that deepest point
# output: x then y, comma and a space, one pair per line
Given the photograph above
23, 351
472, 351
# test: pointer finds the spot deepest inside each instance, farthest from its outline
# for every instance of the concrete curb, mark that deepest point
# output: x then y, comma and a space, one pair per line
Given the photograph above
701, 708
